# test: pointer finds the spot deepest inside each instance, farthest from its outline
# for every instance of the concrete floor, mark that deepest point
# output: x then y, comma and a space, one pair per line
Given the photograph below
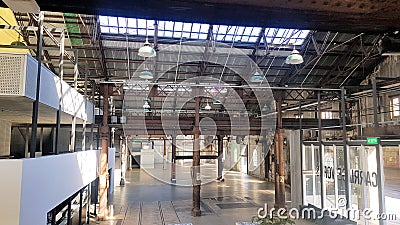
146, 201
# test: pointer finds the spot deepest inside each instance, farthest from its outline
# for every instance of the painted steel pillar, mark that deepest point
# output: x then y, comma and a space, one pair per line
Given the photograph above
220, 152
35, 111
279, 159
104, 133
346, 157
379, 155
173, 160
196, 181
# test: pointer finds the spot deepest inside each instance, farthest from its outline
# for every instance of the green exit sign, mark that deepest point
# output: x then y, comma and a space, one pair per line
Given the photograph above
372, 141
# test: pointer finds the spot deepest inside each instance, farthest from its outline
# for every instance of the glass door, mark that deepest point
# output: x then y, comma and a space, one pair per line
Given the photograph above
363, 180
329, 173
311, 173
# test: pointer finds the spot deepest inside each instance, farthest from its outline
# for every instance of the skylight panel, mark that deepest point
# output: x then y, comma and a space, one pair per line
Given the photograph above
241, 30
280, 33
253, 39
168, 33
277, 41
131, 23
303, 34
195, 36
169, 25
114, 30
229, 38
178, 26
177, 34
112, 21
142, 32
186, 34
187, 27
142, 23
232, 30
247, 31
103, 20
271, 32
122, 30
132, 31
221, 29
196, 27
204, 28
104, 29
121, 22
203, 36
171, 29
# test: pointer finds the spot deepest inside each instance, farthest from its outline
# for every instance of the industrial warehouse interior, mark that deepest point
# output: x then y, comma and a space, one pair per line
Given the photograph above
175, 112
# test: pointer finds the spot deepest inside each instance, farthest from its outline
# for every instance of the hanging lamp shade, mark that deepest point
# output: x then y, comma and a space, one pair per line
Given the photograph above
265, 108
207, 107
18, 43
217, 102
294, 58
146, 75
146, 105
257, 77
146, 50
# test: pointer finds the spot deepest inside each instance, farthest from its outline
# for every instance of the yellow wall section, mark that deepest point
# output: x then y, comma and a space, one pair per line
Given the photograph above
8, 36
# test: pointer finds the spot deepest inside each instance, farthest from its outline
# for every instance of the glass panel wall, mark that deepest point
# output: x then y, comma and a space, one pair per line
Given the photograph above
391, 163
311, 176
329, 173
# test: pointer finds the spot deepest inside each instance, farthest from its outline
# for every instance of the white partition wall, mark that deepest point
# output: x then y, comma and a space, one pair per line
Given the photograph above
18, 74
32, 187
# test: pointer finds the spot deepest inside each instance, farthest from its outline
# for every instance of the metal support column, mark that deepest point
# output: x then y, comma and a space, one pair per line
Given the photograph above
301, 149
69, 212
83, 144
73, 129
26, 140
196, 180
89, 194
345, 149
321, 152
279, 158
104, 132
359, 126
123, 160
379, 156
220, 152
173, 159
35, 111
80, 206
41, 140
61, 75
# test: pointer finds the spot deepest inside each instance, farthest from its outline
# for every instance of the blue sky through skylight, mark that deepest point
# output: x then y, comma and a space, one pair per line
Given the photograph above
199, 31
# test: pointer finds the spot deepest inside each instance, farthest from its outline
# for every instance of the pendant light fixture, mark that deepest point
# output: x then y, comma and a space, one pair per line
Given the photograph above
265, 108
146, 105
146, 50
294, 58
146, 74
217, 102
257, 78
207, 107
